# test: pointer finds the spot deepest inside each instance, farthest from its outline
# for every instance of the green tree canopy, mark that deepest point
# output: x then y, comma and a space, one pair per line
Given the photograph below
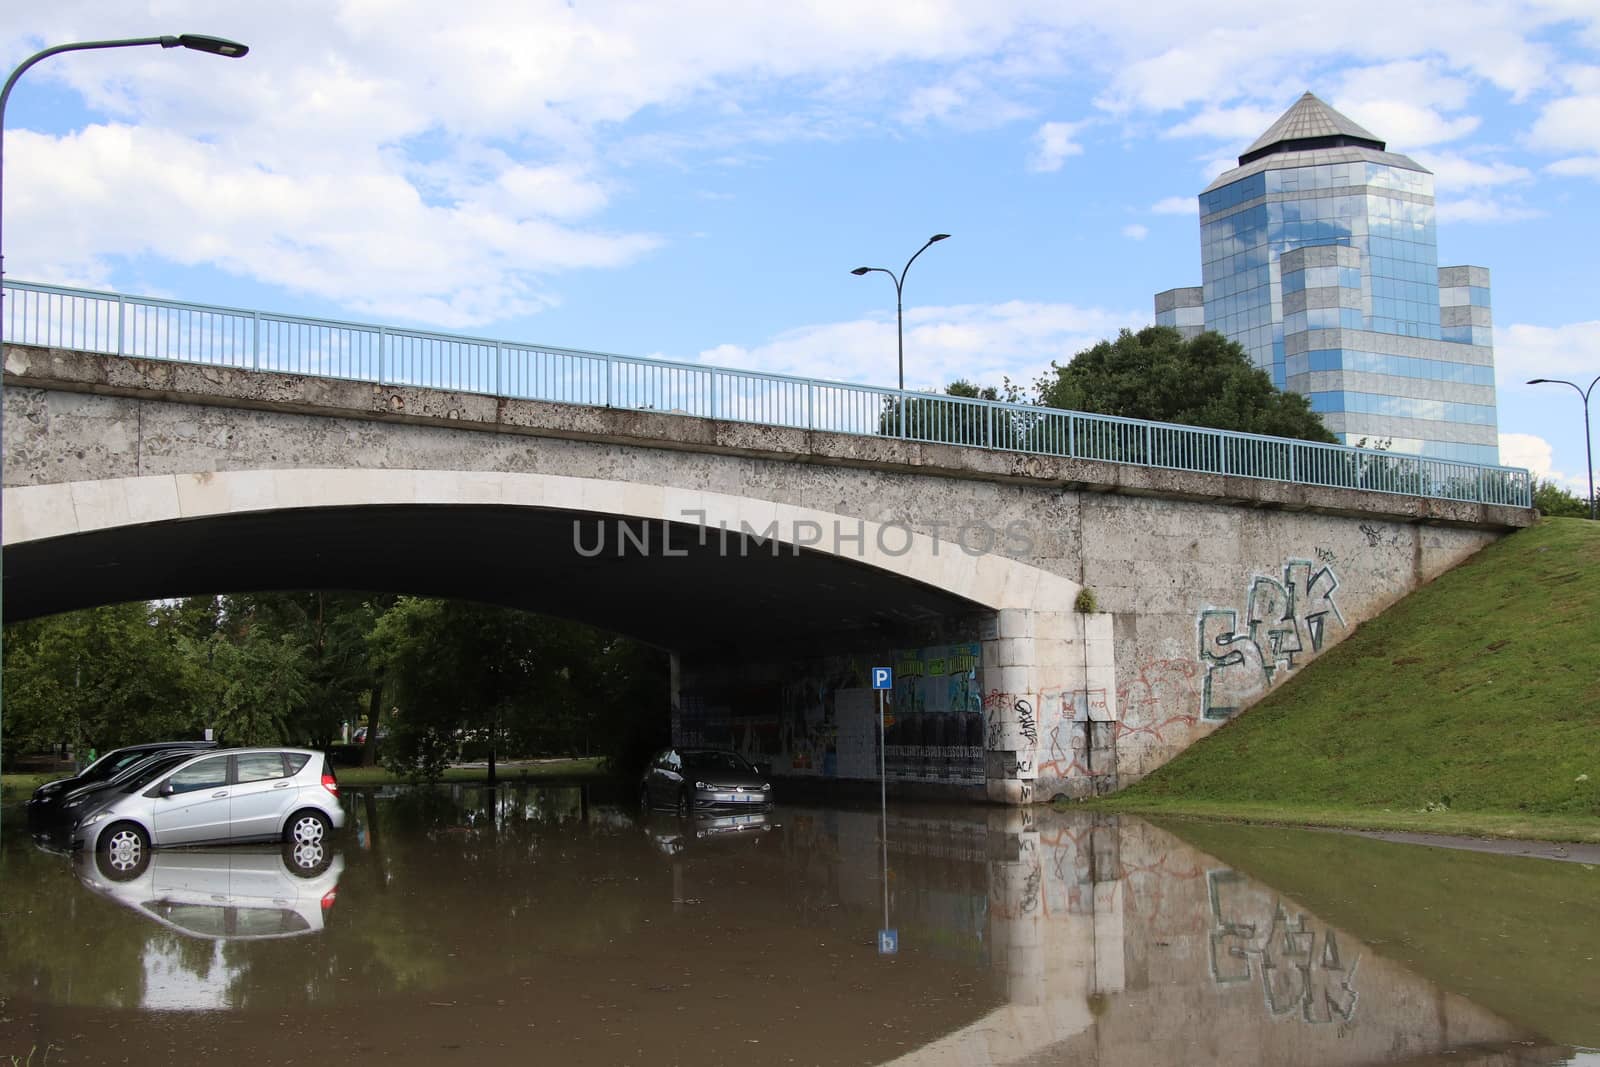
1158, 374
1555, 501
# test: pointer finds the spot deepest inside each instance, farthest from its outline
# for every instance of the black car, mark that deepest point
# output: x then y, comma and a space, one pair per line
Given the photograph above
42, 806
692, 779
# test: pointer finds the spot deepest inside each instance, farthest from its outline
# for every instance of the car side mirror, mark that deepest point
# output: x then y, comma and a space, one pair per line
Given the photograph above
167, 790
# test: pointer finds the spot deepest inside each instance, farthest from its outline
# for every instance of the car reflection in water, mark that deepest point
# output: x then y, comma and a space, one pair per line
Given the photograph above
225, 894
672, 836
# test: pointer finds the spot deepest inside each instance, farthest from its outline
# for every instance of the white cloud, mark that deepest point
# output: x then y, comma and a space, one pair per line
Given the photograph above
365, 237
1052, 144
1536, 454
1452, 172
1569, 124
1527, 450
980, 342
1483, 209
1176, 205
1135, 231
1522, 352
1577, 167
1241, 124
1403, 124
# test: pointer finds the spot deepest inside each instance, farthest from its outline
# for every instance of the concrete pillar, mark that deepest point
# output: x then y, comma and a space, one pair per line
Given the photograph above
1050, 705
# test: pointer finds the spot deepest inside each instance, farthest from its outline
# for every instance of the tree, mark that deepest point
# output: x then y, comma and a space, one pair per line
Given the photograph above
1557, 502
98, 679
938, 419
1159, 375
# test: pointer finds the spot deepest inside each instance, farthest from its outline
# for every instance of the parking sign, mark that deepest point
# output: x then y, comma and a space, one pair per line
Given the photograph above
888, 942
883, 677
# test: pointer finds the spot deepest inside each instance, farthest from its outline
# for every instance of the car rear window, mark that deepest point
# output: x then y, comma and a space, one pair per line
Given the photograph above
258, 766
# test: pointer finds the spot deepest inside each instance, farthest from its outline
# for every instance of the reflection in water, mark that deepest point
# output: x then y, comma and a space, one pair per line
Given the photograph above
477, 919
224, 894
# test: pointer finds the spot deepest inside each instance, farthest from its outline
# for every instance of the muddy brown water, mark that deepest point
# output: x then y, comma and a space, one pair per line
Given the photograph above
554, 925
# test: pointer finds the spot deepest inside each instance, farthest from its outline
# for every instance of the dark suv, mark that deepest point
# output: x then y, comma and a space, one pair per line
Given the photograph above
46, 799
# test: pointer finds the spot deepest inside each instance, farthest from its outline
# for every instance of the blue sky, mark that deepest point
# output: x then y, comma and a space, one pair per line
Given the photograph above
695, 181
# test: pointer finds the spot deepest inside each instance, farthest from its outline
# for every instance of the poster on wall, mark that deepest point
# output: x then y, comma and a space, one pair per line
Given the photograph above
857, 712
938, 715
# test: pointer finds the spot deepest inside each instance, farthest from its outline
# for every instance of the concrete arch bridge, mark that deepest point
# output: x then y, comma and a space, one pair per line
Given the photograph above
1063, 614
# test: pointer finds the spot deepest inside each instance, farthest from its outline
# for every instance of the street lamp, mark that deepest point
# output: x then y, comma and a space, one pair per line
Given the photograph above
217, 46
1588, 451
899, 303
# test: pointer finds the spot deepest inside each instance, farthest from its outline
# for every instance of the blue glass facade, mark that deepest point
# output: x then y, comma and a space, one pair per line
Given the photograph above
1384, 212
1319, 257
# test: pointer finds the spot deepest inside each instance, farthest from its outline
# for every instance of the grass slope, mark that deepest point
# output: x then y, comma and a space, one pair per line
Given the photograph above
1477, 695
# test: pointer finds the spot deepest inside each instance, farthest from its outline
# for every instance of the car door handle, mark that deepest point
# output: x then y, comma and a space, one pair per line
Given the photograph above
281, 785
222, 793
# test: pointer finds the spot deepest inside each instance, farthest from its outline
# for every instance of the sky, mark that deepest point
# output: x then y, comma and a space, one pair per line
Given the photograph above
695, 180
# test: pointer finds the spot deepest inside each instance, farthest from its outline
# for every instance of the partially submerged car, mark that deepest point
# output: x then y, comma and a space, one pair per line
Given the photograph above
248, 794
41, 806
693, 779
54, 825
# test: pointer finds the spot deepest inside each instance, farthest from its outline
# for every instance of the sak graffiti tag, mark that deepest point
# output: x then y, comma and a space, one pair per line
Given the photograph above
1284, 622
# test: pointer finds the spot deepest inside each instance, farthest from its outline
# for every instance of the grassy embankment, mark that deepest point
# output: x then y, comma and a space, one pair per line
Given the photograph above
1472, 706
15, 788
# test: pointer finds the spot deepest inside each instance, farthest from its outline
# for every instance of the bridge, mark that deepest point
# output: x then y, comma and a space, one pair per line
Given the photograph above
1069, 599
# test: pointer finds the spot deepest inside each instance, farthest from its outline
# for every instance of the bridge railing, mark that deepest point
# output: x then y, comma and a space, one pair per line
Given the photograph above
150, 328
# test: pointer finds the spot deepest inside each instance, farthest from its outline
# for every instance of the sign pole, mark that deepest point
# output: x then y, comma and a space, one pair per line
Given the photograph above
882, 685
883, 802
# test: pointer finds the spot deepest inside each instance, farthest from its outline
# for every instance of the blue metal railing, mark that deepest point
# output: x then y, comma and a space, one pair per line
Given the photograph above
114, 324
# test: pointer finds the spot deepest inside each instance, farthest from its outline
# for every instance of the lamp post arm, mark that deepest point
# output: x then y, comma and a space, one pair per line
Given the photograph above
1588, 445
910, 261
167, 41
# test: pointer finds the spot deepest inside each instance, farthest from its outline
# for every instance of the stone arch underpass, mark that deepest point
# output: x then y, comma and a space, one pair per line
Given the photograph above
716, 579
961, 567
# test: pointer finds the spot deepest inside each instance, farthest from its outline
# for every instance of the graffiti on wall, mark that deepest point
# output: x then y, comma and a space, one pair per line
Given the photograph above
1284, 622
1157, 700
937, 732
1253, 937
823, 719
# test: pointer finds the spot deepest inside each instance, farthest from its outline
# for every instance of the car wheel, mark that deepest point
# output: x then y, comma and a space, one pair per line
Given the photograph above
307, 828
685, 805
123, 852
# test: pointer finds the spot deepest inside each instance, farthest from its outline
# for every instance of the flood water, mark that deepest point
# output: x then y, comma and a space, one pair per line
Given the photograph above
554, 925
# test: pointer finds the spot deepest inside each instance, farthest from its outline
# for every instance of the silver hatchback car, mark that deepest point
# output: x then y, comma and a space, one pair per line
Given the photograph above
243, 794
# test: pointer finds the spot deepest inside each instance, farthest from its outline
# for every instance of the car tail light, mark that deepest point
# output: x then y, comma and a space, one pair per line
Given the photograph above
328, 898
330, 783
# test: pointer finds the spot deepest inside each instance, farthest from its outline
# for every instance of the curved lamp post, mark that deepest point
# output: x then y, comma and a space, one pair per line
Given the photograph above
899, 302
1588, 452
217, 46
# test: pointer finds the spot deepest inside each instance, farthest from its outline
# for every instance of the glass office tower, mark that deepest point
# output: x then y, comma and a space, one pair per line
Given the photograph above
1318, 256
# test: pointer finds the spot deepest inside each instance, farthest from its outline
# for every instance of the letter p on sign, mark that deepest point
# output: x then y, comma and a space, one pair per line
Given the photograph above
882, 678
